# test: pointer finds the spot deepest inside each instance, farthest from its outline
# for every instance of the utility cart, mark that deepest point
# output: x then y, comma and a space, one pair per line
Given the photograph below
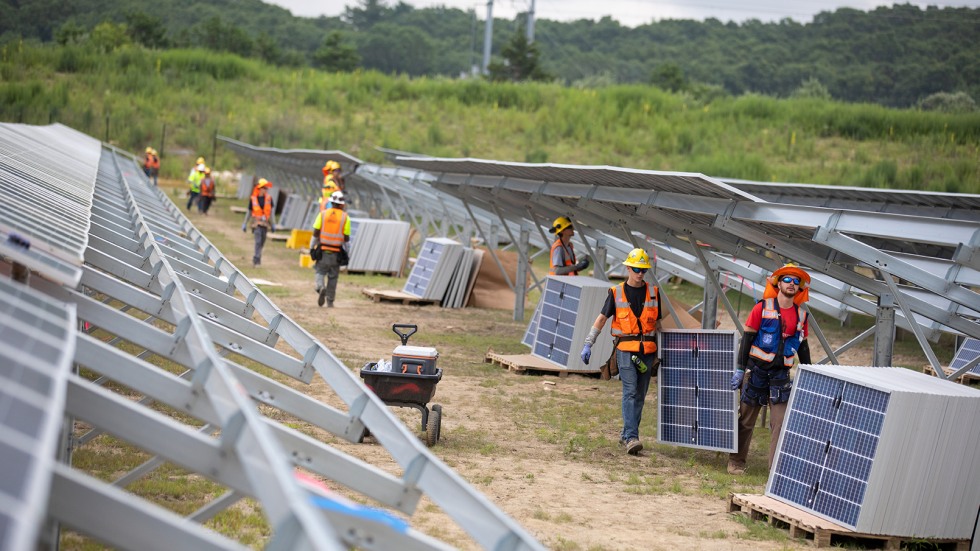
411, 382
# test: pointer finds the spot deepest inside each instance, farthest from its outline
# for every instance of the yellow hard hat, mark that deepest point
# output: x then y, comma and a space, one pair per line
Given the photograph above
561, 224
638, 258
264, 183
200, 161
149, 150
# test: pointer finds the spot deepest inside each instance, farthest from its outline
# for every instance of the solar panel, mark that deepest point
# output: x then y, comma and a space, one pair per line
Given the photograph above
966, 354
697, 407
35, 357
532, 327
425, 267
878, 450
563, 319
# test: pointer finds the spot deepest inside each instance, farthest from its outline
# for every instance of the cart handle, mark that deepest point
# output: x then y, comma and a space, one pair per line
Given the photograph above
404, 336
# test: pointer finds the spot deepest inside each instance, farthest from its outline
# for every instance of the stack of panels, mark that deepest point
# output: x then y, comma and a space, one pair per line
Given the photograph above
434, 269
881, 450
697, 406
966, 354
37, 344
569, 307
458, 291
378, 245
293, 213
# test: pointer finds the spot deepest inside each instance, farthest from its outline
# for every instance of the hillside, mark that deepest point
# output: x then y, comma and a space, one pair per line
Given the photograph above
177, 100
895, 56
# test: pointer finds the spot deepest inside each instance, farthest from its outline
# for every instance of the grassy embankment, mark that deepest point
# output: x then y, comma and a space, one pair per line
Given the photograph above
131, 94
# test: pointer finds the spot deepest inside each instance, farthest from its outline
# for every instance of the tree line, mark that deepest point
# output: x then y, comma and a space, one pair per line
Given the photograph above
898, 56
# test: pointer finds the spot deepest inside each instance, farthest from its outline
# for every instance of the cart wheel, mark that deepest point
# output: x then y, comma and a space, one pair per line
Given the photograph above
432, 427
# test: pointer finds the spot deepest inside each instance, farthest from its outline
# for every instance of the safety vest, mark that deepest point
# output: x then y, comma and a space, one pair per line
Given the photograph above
631, 331
261, 213
195, 180
332, 222
329, 186
152, 161
767, 340
207, 186
569, 258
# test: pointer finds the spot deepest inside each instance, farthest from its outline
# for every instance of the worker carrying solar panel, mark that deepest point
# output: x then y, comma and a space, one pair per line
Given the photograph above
634, 307
562, 258
775, 334
331, 182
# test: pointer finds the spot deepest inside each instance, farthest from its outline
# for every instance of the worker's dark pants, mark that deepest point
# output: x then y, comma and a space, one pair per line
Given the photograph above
190, 200
259, 232
204, 203
329, 266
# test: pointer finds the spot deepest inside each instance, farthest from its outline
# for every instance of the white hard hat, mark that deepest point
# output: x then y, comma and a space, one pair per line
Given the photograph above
337, 198
201, 167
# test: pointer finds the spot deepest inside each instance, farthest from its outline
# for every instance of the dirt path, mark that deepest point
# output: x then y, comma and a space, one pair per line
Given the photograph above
542, 448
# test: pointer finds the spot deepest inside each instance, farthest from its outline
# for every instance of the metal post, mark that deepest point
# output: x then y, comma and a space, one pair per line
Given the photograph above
520, 286
163, 139
530, 24
488, 37
709, 308
600, 259
884, 331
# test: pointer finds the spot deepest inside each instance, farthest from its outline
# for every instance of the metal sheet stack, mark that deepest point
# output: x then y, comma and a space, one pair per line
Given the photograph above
568, 310
881, 450
378, 245
442, 272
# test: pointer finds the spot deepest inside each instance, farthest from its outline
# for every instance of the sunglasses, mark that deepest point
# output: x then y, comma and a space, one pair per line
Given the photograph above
789, 279
639, 270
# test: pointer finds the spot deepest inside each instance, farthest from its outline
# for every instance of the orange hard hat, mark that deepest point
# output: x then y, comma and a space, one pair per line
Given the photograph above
792, 270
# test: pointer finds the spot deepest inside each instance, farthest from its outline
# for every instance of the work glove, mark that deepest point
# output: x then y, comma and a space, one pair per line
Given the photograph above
586, 353
582, 265
243, 227
737, 378
272, 228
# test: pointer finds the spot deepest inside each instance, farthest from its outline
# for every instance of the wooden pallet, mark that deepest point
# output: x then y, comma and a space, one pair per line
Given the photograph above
824, 533
523, 363
964, 379
383, 295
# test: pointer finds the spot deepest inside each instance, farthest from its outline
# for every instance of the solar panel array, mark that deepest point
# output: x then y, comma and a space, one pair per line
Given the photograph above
36, 350
569, 308
966, 354
697, 407
879, 450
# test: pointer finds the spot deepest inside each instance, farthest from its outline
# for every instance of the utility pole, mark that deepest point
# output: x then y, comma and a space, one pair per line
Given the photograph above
488, 37
530, 24
474, 70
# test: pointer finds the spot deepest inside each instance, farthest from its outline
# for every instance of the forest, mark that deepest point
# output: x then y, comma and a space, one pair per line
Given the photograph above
899, 56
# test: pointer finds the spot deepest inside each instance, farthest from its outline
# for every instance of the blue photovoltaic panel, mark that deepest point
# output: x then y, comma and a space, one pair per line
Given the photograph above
829, 442
697, 406
556, 323
532, 328
354, 225
966, 354
421, 276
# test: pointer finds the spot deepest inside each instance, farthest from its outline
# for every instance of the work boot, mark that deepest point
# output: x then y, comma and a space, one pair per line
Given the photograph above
735, 468
634, 446
330, 304
322, 297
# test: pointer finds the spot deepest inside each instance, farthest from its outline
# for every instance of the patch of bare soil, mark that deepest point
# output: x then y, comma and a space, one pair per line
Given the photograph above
492, 434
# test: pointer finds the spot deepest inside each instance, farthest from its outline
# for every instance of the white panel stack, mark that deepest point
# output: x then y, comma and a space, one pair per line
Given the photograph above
568, 310
881, 450
378, 245
443, 271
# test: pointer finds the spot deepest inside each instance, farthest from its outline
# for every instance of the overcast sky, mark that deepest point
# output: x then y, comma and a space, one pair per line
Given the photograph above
629, 12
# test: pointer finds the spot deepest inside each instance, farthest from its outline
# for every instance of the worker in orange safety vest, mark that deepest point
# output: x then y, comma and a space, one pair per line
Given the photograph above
331, 230
562, 259
260, 213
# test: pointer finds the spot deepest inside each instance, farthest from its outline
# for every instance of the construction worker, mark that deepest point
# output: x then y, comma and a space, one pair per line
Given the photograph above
331, 172
775, 333
207, 192
562, 259
634, 307
151, 164
260, 212
331, 230
194, 183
